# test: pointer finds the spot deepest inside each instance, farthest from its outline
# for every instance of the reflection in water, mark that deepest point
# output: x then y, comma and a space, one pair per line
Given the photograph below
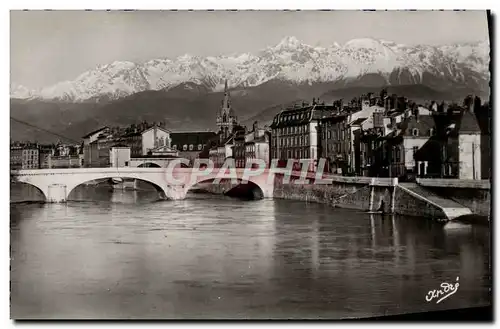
113, 254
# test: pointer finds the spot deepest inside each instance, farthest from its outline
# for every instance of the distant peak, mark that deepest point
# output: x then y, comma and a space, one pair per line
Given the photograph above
363, 43
288, 42
187, 57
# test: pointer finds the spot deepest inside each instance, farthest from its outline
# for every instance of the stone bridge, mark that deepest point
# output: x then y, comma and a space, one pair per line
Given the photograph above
57, 184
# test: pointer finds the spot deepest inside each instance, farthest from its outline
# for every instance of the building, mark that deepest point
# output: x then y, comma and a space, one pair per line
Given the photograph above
357, 121
229, 128
239, 150
222, 151
226, 118
66, 161
414, 141
153, 138
257, 145
30, 157
463, 148
190, 145
16, 157
46, 152
133, 139
334, 142
119, 156
295, 133
90, 147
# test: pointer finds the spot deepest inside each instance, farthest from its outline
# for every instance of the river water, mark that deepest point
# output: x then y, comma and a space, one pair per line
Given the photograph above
124, 254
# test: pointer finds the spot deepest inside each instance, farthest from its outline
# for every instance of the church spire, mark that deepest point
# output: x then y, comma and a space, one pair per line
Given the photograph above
226, 103
226, 119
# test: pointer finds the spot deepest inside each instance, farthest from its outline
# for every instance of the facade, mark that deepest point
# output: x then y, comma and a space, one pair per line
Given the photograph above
191, 145
16, 157
334, 142
221, 152
153, 138
256, 145
133, 139
119, 156
46, 152
90, 148
250, 145
295, 133
239, 150
393, 150
30, 157
464, 148
357, 122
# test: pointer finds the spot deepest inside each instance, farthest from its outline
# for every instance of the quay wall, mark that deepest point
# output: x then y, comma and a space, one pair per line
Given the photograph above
343, 192
410, 204
473, 194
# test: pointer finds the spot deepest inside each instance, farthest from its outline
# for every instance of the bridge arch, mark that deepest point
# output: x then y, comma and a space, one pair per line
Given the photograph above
149, 165
158, 188
246, 190
35, 187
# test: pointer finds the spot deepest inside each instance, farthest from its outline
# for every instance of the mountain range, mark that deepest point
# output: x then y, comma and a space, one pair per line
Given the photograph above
186, 91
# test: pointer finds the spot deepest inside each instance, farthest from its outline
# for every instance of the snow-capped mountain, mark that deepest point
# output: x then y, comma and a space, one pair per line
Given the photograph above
290, 60
20, 91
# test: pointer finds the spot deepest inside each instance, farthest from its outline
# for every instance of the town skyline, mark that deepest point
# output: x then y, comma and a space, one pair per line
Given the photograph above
42, 33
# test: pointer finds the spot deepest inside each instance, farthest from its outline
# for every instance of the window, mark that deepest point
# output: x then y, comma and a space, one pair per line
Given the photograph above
184, 147
200, 147
431, 132
329, 134
415, 149
190, 147
414, 132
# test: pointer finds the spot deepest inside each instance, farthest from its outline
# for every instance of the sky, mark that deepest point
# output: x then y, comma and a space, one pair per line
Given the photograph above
47, 47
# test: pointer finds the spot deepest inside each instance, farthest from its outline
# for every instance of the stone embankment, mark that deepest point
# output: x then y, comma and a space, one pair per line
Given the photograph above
438, 199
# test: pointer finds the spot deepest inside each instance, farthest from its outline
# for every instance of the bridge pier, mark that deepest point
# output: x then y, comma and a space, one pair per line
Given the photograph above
176, 192
56, 193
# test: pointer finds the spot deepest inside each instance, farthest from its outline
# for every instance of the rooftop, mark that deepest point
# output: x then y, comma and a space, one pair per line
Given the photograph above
95, 132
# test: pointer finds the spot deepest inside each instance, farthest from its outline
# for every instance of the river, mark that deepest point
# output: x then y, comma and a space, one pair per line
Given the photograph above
124, 254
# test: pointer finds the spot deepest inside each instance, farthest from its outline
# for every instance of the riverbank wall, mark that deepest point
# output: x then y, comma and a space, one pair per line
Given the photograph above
361, 193
377, 194
473, 194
